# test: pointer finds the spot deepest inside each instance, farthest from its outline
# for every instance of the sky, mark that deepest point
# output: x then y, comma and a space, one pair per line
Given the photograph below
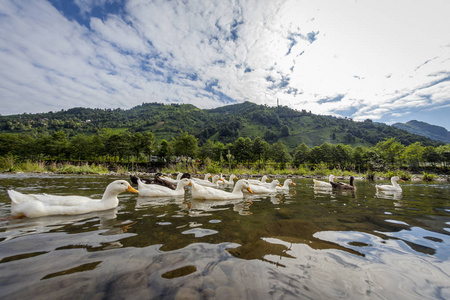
384, 60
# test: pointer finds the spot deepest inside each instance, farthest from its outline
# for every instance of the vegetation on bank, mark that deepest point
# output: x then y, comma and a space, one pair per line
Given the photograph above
129, 149
242, 138
8, 164
320, 171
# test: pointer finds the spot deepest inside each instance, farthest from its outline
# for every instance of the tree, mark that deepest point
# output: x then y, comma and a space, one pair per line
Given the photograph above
260, 151
206, 150
57, 145
413, 154
80, 147
284, 130
341, 155
117, 146
301, 155
270, 135
165, 150
326, 153
280, 154
430, 155
136, 145
315, 155
444, 152
185, 145
391, 151
358, 158
242, 150
373, 159
148, 140
219, 151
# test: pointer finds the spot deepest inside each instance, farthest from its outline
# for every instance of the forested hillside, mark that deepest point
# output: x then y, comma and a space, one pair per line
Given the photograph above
224, 124
434, 132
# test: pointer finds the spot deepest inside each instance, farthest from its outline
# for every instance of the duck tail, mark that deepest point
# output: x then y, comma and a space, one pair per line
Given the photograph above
186, 175
134, 179
14, 196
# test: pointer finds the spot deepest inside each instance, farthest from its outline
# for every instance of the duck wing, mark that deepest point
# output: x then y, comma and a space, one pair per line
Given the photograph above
166, 183
47, 199
338, 185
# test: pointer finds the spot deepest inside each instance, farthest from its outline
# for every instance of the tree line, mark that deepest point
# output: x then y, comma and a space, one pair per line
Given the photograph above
109, 145
225, 124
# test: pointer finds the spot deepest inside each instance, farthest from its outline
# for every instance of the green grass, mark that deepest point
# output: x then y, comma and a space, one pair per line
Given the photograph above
9, 164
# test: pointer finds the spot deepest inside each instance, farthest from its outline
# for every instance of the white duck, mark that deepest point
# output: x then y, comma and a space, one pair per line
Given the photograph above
205, 179
228, 182
390, 188
179, 177
208, 193
258, 182
175, 181
38, 205
285, 186
153, 190
323, 184
213, 183
260, 189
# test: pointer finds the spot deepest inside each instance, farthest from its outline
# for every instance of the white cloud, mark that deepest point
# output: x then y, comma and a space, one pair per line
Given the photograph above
381, 58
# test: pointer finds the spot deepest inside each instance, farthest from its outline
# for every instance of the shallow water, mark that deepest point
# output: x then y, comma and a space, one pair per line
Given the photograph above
306, 243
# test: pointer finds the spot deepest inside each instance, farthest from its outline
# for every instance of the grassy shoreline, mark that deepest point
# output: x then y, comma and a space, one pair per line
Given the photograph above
242, 172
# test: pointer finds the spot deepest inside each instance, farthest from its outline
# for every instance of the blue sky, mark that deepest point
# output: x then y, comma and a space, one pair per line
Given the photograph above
384, 60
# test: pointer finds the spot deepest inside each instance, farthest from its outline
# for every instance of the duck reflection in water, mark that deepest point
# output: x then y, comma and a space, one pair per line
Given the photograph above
276, 199
27, 226
200, 207
318, 191
389, 195
144, 202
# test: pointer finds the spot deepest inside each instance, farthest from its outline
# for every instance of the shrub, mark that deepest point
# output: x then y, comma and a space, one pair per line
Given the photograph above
428, 177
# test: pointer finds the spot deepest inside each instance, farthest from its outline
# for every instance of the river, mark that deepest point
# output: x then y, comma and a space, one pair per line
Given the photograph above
302, 244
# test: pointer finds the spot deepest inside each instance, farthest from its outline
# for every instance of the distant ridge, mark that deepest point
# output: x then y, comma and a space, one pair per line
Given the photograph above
433, 132
223, 124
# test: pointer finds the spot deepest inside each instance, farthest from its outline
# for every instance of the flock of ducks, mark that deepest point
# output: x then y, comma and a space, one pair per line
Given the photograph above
394, 187
38, 205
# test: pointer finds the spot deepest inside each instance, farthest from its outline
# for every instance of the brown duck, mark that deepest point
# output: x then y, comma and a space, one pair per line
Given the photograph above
344, 186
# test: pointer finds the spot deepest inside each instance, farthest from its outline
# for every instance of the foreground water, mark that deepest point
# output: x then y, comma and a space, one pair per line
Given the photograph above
303, 244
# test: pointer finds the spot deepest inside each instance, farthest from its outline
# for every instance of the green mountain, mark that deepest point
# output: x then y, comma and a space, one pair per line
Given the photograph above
224, 124
434, 132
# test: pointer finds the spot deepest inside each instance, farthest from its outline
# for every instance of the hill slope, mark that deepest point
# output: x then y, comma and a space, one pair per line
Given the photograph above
224, 124
434, 132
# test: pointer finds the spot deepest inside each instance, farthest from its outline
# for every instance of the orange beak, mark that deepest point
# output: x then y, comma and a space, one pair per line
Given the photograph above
132, 190
293, 183
250, 190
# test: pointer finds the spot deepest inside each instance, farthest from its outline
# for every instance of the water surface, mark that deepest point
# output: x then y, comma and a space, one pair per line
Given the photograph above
305, 243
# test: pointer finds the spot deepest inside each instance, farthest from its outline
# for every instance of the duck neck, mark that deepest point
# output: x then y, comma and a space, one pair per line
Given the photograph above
180, 186
110, 196
394, 183
351, 181
237, 188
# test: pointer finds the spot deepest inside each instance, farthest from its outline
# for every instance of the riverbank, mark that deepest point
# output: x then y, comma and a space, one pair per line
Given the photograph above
173, 173
319, 171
